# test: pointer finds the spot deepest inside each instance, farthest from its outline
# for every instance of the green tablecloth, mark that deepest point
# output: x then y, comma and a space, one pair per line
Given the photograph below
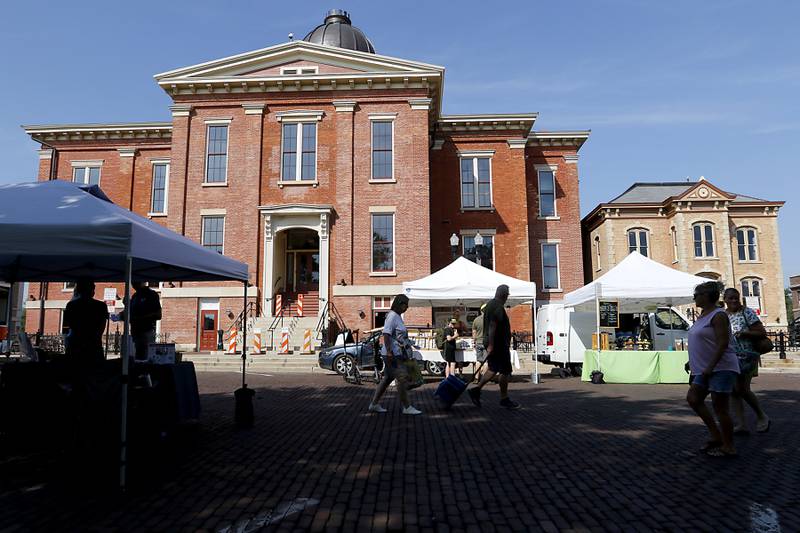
637, 366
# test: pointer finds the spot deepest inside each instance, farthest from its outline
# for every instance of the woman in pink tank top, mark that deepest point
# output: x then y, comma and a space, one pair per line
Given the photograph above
714, 368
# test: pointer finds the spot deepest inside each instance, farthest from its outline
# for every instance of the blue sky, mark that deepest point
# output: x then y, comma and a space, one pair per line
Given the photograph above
669, 89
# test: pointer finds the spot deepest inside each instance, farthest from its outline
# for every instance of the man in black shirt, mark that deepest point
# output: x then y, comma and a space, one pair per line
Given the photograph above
86, 319
497, 340
145, 311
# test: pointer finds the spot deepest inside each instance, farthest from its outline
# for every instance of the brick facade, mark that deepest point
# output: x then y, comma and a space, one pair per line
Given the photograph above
423, 194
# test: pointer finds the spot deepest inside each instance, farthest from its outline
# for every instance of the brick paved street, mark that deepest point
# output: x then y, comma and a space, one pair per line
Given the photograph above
578, 457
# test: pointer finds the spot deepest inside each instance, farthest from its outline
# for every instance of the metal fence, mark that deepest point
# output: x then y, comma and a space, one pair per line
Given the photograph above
111, 343
784, 342
523, 341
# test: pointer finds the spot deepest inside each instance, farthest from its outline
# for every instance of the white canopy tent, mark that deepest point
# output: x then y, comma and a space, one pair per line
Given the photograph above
639, 284
60, 231
464, 283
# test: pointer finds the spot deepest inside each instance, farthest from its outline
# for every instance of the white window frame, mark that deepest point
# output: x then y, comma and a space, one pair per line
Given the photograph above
558, 266
298, 164
153, 164
750, 280
298, 71
203, 229
372, 271
86, 165
486, 234
68, 289
637, 230
218, 122
745, 229
388, 305
703, 240
539, 170
381, 117
475, 155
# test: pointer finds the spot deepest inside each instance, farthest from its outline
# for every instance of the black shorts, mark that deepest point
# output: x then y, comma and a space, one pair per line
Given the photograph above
500, 361
450, 355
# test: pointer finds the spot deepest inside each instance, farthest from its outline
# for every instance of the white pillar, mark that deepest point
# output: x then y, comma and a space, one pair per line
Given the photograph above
324, 262
269, 267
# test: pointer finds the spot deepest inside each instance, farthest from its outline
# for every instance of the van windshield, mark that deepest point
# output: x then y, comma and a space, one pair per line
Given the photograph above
669, 319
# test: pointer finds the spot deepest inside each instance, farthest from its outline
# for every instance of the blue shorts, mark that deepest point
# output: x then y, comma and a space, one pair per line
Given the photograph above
721, 381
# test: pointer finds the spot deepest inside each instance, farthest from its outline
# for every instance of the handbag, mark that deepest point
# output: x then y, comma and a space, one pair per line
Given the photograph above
415, 378
748, 360
761, 344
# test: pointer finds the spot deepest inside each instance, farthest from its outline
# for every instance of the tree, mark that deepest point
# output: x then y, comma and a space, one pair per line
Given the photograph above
789, 306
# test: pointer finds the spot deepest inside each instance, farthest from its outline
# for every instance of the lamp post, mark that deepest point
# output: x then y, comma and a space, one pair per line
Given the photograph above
479, 247
454, 245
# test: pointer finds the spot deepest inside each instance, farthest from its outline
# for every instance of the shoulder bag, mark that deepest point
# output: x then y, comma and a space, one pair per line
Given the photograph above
761, 344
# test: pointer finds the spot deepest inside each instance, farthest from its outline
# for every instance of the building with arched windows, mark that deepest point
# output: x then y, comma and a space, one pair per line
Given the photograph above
698, 228
332, 171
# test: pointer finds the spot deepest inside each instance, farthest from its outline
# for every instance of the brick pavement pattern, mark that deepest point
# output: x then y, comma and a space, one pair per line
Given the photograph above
577, 457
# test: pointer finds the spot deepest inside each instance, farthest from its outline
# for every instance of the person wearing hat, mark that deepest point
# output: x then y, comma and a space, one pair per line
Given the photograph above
477, 337
450, 336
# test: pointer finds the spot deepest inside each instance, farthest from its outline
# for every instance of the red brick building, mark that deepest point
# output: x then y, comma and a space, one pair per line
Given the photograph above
333, 173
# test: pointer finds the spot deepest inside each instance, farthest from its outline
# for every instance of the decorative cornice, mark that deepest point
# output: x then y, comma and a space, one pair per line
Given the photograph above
558, 138
437, 144
382, 116
254, 109
77, 132
126, 152
422, 104
299, 115
571, 159
516, 144
46, 153
345, 106
515, 122
181, 110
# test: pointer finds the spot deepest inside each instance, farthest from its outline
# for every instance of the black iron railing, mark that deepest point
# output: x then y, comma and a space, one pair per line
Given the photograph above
523, 341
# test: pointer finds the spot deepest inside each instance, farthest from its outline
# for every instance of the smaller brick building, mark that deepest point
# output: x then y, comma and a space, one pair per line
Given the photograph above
698, 228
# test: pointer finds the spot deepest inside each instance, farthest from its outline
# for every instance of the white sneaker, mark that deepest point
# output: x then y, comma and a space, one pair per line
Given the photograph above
376, 408
411, 410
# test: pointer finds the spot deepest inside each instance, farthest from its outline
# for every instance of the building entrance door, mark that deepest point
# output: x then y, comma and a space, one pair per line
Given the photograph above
307, 272
209, 318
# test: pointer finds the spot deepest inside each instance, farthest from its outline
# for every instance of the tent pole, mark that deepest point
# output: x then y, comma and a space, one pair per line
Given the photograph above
244, 337
9, 322
597, 293
123, 432
535, 379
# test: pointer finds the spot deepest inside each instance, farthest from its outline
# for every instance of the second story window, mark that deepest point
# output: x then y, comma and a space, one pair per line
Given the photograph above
158, 198
486, 251
382, 242
637, 241
382, 141
299, 152
674, 234
217, 154
703, 233
88, 175
746, 244
547, 193
476, 182
598, 266
751, 292
213, 233
550, 274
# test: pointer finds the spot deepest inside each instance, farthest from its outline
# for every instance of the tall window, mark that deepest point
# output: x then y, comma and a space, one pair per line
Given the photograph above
476, 183
383, 242
547, 193
487, 250
550, 274
637, 241
299, 138
158, 202
674, 234
751, 292
217, 154
597, 252
746, 244
382, 136
86, 175
213, 233
703, 239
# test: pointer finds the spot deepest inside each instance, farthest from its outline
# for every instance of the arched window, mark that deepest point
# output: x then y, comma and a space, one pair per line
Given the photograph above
597, 252
746, 244
703, 239
638, 239
751, 292
674, 234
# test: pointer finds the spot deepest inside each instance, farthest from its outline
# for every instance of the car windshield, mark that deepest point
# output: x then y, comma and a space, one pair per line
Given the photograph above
669, 319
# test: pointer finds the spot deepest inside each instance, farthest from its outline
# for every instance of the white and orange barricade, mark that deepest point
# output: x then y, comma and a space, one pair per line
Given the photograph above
278, 304
284, 346
257, 346
232, 340
308, 344
300, 304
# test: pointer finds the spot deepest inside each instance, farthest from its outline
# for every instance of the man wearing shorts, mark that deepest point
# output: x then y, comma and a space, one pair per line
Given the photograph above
497, 339
477, 337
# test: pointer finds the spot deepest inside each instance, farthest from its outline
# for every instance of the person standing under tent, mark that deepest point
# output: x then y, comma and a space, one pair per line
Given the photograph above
86, 319
477, 337
145, 312
714, 368
745, 325
497, 339
450, 337
396, 349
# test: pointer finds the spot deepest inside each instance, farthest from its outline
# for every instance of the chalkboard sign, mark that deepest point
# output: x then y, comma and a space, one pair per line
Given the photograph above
609, 314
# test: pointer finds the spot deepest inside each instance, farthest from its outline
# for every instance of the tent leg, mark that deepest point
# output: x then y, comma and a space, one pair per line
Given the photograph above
244, 337
123, 432
9, 321
244, 413
535, 376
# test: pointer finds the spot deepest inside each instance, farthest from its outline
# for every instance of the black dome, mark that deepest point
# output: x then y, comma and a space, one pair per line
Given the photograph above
338, 31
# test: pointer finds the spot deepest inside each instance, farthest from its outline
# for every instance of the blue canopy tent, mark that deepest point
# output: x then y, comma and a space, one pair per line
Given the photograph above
61, 231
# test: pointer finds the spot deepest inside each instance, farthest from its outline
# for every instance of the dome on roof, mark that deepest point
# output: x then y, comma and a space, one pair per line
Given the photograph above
338, 31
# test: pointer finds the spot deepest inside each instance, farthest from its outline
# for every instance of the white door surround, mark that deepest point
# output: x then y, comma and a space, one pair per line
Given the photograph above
279, 218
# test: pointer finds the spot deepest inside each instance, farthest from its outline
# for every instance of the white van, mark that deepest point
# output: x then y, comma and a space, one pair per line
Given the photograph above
563, 334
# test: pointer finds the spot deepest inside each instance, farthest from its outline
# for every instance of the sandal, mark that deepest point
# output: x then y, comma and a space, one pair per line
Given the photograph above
711, 445
719, 452
763, 428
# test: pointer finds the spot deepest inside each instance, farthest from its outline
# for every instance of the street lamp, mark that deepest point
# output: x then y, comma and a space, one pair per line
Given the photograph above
479, 247
454, 245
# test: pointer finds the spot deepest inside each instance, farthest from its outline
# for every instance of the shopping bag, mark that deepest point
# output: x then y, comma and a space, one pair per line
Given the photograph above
414, 374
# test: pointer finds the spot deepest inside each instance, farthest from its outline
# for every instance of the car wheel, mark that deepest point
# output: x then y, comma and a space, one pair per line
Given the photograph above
435, 368
343, 364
